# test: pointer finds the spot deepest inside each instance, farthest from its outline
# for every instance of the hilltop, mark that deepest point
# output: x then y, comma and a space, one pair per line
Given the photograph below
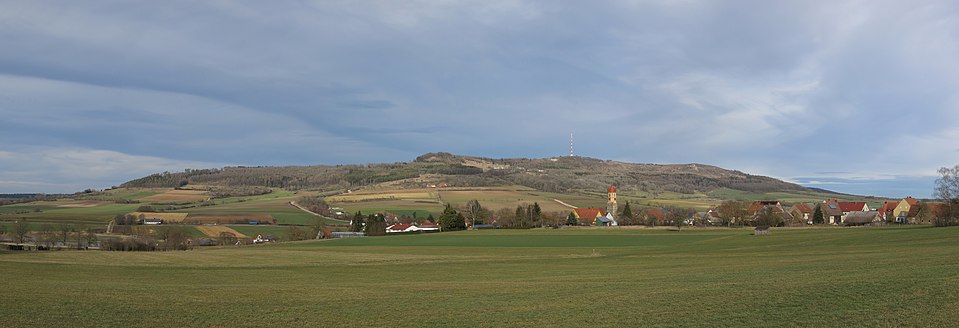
556, 174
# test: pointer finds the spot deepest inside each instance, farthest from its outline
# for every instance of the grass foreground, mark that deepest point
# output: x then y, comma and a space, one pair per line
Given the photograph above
889, 276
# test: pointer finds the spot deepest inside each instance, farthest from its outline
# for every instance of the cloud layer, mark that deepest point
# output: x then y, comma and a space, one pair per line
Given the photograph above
785, 88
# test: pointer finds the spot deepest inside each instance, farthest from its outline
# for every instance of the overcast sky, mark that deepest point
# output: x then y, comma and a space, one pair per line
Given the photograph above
853, 96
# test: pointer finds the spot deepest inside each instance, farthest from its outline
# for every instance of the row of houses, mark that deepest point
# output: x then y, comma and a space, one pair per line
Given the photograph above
905, 211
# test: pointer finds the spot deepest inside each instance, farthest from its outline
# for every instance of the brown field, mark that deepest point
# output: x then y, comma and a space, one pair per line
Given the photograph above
177, 196
384, 195
71, 203
166, 217
226, 218
214, 231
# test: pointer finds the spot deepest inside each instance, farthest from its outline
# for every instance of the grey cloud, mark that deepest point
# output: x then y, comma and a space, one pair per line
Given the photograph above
781, 88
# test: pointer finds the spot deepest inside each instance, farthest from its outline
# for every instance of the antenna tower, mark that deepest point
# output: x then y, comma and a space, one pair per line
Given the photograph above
570, 144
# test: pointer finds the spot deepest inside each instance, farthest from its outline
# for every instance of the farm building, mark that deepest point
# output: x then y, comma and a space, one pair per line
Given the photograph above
761, 231
712, 216
849, 207
346, 234
152, 221
862, 218
428, 226
907, 209
831, 212
423, 227
654, 213
604, 221
888, 210
587, 215
760, 204
401, 228
263, 239
802, 211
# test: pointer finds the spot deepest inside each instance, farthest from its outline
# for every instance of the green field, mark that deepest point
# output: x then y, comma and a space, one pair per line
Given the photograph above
894, 276
101, 212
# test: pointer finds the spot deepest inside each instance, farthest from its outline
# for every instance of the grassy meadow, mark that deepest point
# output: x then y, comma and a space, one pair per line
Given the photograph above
890, 276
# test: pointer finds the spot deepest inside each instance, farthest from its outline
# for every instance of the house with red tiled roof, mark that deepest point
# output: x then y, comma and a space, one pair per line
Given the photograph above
760, 204
654, 213
802, 211
887, 210
906, 209
849, 207
402, 227
588, 215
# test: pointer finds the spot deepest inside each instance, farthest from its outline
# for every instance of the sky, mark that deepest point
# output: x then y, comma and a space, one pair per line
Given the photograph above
852, 96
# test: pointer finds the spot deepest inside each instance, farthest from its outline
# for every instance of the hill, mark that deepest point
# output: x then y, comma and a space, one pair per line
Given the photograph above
558, 174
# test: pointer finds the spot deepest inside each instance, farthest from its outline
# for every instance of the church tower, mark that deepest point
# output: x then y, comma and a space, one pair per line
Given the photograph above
611, 206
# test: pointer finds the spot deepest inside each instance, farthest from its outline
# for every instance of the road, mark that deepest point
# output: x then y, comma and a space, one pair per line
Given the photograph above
564, 203
314, 213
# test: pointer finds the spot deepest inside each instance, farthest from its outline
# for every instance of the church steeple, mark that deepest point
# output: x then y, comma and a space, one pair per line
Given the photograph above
611, 206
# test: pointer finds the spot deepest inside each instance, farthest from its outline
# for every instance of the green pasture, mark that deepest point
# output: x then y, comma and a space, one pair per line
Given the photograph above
253, 230
101, 213
894, 276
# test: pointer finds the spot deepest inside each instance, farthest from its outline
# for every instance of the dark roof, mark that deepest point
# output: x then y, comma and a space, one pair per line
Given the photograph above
860, 217
830, 208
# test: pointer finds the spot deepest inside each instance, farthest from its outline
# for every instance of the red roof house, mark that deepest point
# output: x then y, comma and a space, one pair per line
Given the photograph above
401, 228
847, 207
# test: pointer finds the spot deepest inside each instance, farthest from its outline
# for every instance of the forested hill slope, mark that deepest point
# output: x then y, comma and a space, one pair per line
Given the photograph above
558, 174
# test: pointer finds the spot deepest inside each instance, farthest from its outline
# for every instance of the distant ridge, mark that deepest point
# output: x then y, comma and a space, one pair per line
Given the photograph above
556, 174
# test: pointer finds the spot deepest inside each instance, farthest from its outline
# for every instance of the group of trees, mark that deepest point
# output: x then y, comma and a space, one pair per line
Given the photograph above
452, 220
315, 204
671, 215
64, 235
371, 225
947, 190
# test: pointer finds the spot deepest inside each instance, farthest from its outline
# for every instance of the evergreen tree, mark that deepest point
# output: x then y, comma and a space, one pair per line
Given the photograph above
375, 225
571, 219
817, 216
451, 220
537, 215
356, 225
520, 217
626, 218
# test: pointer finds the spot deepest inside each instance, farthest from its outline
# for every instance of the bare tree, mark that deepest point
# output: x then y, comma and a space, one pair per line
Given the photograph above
731, 211
63, 231
78, 235
90, 236
678, 216
21, 230
947, 190
769, 217
47, 235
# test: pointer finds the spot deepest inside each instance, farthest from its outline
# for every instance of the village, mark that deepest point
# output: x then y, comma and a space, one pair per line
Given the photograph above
761, 213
